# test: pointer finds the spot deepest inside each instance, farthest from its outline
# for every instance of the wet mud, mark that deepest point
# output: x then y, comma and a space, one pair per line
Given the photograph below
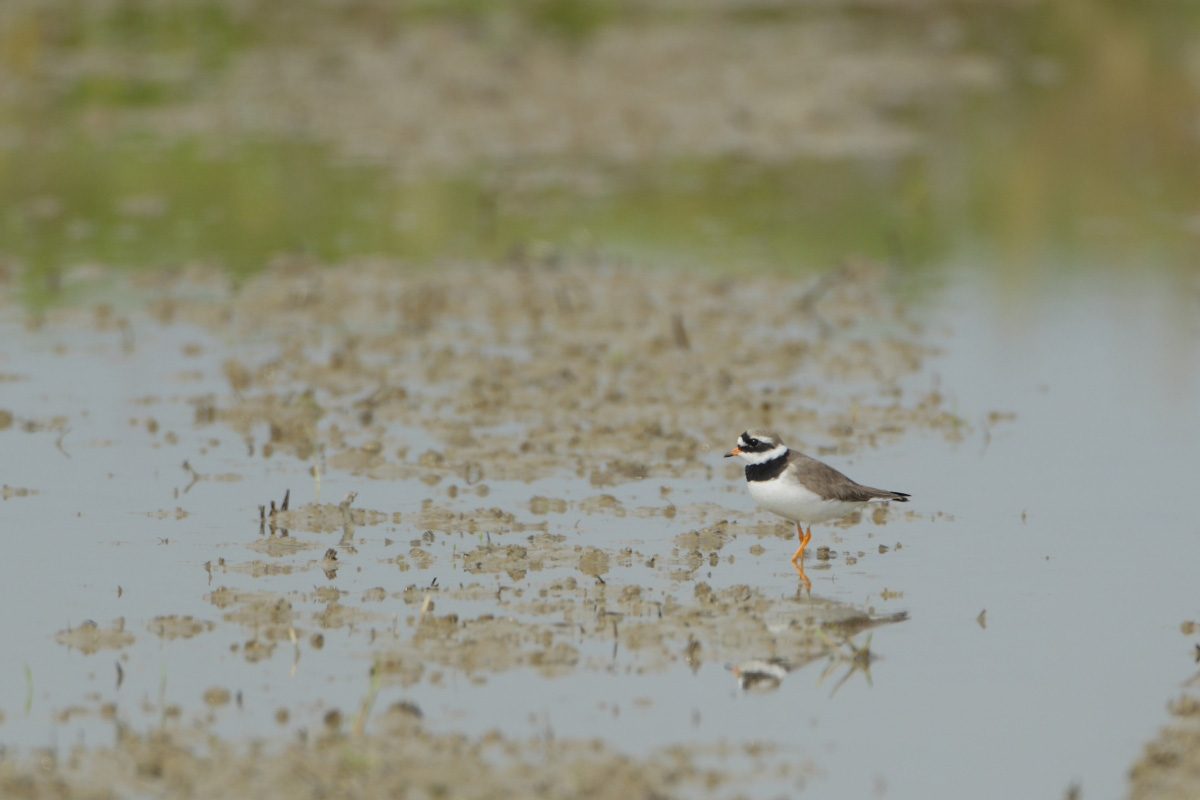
506, 408
402, 759
1169, 766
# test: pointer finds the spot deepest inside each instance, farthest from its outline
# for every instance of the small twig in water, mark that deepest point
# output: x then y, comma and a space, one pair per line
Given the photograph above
59, 442
195, 477
364, 710
424, 608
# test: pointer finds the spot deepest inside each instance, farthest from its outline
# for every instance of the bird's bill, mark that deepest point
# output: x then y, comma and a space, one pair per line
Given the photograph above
733, 452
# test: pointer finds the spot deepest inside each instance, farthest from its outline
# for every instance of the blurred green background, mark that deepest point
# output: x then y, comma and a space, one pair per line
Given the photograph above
1020, 136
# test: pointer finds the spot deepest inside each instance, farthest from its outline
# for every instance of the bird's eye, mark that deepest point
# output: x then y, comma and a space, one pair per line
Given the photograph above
752, 443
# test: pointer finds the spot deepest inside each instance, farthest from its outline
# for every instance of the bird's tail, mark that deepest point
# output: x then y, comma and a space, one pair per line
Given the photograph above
884, 494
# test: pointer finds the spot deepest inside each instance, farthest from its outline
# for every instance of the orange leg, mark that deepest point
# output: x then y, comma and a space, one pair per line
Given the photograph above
803, 537
798, 556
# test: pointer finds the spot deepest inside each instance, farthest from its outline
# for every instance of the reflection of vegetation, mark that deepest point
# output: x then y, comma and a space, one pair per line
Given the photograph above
137, 204
572, 19
124, 92
207, 31
739, 215
212, 29
1097, 154
1088, 149
140, 204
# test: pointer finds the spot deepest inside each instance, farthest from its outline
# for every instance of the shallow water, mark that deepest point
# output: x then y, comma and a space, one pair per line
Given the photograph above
544, 539
1066, 522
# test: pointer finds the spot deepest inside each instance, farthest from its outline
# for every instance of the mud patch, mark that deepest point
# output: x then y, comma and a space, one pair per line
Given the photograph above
89, 637
401, 759
546, 494
177, 627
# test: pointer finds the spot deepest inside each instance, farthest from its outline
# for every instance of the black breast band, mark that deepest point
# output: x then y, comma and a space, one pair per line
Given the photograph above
768, 469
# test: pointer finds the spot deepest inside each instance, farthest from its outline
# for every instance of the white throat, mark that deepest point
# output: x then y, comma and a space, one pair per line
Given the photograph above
762, 458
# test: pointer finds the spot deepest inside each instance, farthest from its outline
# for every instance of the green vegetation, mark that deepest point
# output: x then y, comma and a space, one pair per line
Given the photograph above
1086, 150
138, 203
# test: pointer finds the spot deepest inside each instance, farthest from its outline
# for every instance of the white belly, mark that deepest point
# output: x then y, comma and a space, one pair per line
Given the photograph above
797, 503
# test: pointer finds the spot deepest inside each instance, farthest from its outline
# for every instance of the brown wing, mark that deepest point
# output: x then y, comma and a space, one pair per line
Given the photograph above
833, 485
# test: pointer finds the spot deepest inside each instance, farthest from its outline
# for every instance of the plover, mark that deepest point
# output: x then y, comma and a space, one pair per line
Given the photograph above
798, 488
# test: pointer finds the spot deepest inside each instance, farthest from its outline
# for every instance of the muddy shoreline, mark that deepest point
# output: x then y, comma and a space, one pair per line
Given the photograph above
445, 385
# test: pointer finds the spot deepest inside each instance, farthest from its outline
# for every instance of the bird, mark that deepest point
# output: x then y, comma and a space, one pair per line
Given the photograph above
799, 488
